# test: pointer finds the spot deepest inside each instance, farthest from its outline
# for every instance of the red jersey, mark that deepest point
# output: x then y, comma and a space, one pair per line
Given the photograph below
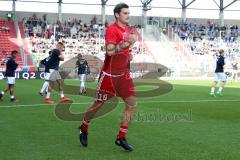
118, 63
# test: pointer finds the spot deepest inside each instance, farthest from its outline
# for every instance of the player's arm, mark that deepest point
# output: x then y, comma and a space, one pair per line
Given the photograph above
43, 62
220, 61
223, 62
76, 64
111, 41
87, 67
13, 64
86, 63
61, 57
113, 46
76, 67
113, 49
16, 65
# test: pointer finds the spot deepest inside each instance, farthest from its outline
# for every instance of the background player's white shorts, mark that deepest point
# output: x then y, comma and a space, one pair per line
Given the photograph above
220, 76
82, 77
10, 80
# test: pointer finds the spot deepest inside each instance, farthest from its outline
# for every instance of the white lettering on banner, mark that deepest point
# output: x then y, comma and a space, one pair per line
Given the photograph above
42, 75
25, 75
32, 75
17, 75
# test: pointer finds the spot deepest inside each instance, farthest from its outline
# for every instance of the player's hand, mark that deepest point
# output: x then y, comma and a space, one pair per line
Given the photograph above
132, 38
61, 57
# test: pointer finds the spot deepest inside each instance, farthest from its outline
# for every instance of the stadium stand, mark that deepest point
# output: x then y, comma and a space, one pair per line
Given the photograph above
78, 37
8, 40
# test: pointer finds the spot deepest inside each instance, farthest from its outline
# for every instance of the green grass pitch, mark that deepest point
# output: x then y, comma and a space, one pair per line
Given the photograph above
184, 124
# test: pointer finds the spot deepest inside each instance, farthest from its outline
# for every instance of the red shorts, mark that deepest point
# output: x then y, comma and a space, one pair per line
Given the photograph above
114, 85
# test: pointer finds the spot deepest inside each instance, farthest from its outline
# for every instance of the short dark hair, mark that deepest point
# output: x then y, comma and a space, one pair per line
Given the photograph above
14, 52
221, 51
60, 43
79, 55
119, 7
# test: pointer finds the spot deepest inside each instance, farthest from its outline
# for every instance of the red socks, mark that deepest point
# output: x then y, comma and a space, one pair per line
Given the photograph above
121, 134
84, 126
122, 131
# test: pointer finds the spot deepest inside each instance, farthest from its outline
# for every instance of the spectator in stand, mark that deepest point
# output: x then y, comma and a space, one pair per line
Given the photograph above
4, 53
5, 29
4, 57
9, 16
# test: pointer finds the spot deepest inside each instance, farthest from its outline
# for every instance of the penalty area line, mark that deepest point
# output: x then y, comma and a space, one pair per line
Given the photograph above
139, 102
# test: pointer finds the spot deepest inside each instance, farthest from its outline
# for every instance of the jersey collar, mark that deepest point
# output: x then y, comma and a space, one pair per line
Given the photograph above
121, 28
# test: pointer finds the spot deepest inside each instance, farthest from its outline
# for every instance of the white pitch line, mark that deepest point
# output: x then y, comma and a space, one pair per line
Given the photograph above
144, 102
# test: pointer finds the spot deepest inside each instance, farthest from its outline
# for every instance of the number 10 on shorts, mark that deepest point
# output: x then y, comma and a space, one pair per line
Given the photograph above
102, 97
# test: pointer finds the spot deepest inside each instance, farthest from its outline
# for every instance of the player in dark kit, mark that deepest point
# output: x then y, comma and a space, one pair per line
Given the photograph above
11, 67
52, 74
83, 70
219, 75
115, 79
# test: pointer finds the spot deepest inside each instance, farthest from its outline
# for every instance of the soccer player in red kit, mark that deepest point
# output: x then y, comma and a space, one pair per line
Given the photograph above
115, 79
